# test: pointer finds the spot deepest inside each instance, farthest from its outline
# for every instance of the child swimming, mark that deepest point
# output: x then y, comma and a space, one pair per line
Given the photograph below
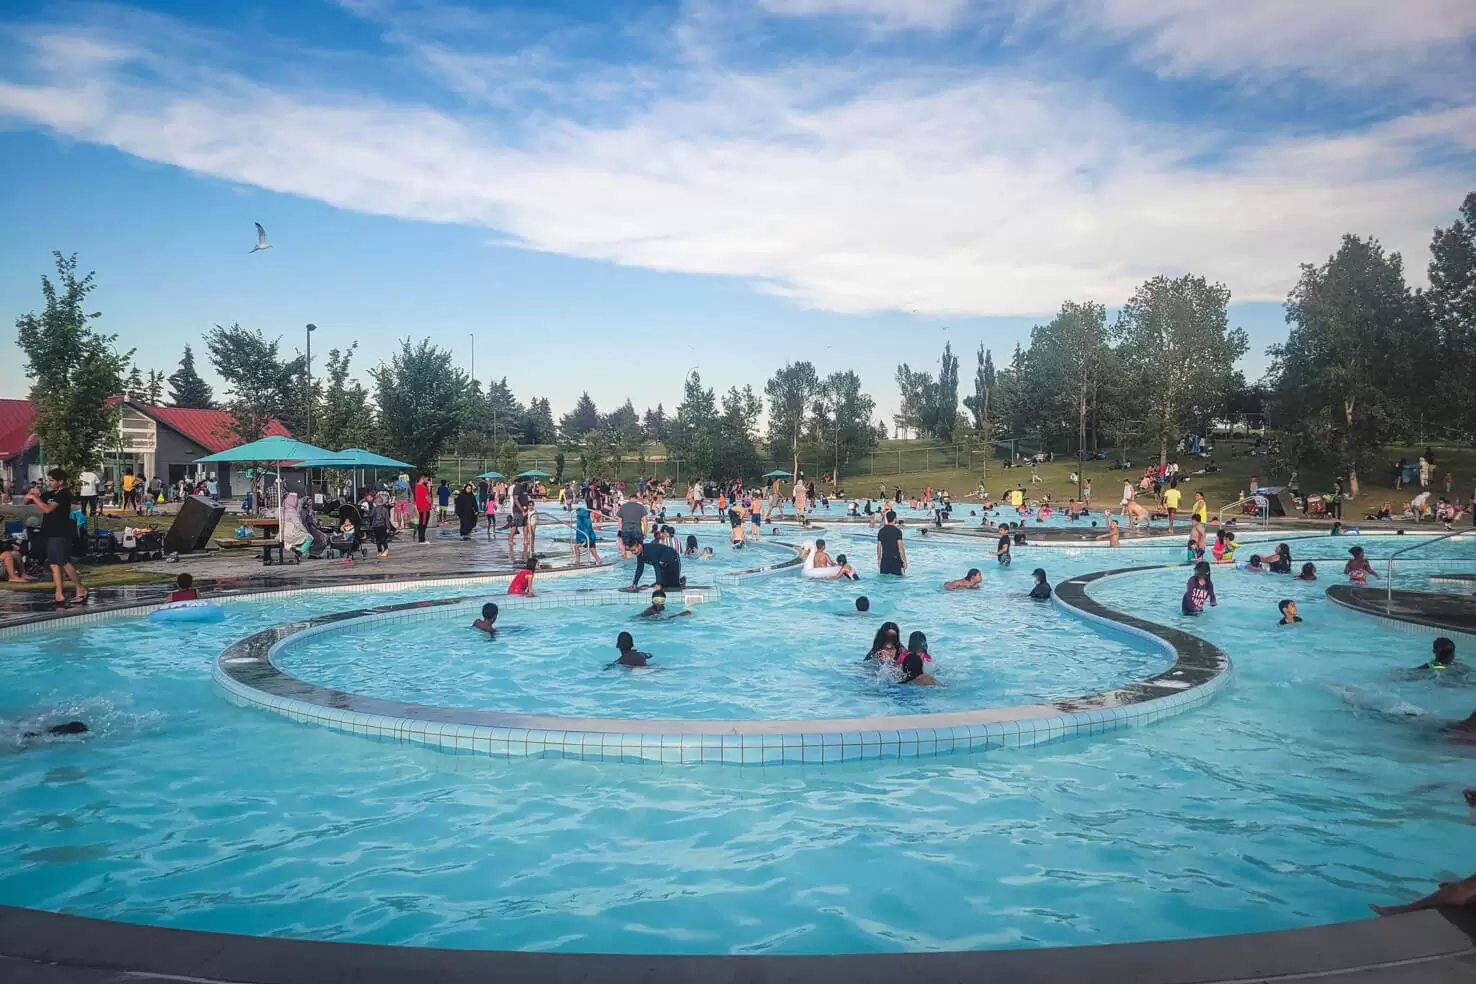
630, 656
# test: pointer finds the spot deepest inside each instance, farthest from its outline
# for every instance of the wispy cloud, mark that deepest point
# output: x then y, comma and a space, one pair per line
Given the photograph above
842, 186
1347, 43
933, 15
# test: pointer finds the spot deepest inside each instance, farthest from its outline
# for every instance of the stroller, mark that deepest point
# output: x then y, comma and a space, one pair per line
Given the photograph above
348, 546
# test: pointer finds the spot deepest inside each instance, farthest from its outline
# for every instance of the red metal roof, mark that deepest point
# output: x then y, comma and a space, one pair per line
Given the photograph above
16, 418
211, 429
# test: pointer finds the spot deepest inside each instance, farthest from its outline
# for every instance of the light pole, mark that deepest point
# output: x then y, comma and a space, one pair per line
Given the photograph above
310, 329
473, 336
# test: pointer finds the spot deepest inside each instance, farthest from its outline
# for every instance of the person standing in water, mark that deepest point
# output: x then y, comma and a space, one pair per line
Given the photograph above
1358, 568
1041, 590
630, 656
1200, 589
891, 556
1002, 552
886, 645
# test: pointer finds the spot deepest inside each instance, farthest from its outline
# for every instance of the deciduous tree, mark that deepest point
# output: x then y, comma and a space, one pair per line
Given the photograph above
74, 371
419, 392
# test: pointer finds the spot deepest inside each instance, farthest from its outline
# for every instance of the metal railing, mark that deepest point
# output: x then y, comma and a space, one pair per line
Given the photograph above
1389, 580
1263, 510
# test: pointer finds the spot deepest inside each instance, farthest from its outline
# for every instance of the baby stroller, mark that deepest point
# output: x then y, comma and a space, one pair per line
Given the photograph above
348, 546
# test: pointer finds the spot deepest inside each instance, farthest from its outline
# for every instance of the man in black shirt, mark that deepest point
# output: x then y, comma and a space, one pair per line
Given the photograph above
58, 531
891, 556
666, 561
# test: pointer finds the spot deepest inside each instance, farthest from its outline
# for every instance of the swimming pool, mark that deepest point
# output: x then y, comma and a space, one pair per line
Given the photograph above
1315, 784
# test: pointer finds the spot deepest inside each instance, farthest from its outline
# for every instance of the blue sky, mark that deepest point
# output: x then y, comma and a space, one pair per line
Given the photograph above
607, 194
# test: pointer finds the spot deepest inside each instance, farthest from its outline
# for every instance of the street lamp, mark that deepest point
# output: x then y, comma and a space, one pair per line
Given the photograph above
310, 329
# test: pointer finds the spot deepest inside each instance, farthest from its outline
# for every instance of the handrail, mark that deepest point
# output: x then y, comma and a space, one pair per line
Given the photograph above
1389, 569
1256, 497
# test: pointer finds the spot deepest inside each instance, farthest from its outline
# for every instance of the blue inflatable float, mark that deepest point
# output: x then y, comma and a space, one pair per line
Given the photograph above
188, 611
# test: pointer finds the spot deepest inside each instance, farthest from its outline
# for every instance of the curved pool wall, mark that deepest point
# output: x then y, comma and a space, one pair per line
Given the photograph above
249, 674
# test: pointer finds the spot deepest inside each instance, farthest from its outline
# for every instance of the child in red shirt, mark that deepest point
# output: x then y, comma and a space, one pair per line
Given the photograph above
522, 584
184, 589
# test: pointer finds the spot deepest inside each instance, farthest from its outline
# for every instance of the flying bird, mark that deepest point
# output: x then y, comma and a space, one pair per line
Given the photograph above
261, 240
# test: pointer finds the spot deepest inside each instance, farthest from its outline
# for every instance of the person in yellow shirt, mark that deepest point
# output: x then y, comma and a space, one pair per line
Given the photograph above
1201, 511
1171, 503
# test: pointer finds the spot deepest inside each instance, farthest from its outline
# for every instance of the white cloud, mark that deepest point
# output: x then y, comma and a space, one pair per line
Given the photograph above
1350, 43
985, 193
933, 15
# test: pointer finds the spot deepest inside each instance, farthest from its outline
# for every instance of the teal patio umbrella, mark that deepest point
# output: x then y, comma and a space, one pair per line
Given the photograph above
490, 474
351, 460
272, 450
776, 473
534, 473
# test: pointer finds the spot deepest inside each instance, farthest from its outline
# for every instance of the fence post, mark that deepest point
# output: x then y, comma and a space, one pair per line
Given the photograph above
927, 459
872, 456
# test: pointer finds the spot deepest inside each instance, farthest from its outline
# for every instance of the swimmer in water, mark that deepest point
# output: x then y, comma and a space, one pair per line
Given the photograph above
70, 728
1444, 662
487, 623
691, 550
1041, 591
657, 607
886, 645
1358, 569
1199, 590
846, 572
1309, 572
706, 554
1254, 567
630, 656
863, 604
1111, 534
913, 662
969, 581
1288, 612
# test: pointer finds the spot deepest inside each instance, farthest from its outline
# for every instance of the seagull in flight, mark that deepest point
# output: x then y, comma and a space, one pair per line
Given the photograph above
261, 240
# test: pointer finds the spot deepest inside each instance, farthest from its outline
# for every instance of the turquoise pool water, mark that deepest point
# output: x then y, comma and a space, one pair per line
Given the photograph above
1316, 783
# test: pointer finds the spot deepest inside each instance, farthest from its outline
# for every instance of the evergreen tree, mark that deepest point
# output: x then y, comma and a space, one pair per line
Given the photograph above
1451, 303
978, 404
74, 371
654, 424
154, 388
507, 414
584, 418
539, 423
133, 386
623, 427
186, 389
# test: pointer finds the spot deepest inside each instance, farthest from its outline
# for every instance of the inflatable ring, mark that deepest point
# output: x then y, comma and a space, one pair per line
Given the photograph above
188, 611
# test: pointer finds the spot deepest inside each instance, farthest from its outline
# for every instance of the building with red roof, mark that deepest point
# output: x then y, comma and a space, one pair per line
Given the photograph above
153, 441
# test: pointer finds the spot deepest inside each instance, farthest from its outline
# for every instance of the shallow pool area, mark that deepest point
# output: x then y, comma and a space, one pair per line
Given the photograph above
1317, 781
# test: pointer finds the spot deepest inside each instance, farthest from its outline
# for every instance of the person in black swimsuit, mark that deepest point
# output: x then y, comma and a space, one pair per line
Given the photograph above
891, 556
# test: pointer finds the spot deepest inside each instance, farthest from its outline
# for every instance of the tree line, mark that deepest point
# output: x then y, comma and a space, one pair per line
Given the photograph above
1367, 362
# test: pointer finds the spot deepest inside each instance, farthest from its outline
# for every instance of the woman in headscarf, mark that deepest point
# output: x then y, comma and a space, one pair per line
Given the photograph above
319, 545
466, 510
294, 534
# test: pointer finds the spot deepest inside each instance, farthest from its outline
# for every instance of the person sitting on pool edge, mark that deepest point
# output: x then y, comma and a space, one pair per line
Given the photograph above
15, 563
968, 582
522, 582
1041, 590
1309, 572
630, 656
1288, 610
886, 645
487, 622
657, 607
184, 589
913, 670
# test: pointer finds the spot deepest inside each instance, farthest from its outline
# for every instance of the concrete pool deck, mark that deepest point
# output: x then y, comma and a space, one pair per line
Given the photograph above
1431, 947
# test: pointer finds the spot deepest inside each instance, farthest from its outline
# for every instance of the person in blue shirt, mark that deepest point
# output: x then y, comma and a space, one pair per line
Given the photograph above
584, 536
443, 500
